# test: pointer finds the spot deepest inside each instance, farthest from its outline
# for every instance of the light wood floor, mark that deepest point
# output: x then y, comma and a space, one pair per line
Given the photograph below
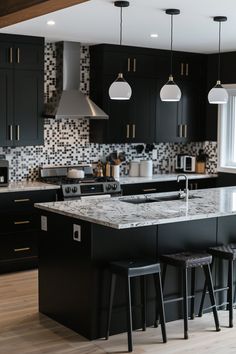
24, 331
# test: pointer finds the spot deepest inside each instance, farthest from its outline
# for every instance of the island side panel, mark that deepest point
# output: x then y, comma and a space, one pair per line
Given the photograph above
65, 273
196, 235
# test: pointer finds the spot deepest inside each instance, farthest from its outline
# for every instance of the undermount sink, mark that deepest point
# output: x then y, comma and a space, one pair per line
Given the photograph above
158, 199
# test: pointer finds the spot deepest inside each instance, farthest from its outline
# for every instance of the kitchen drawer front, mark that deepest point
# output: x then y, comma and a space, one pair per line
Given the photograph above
20, 245
24, 201
20, 222
140, 188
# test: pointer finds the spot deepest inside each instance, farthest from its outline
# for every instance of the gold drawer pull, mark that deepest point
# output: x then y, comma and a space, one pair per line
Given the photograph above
10, 55
182, 69
186, 69
18, 55
21, 222
128, 65
127, 131
21, 200
150, 190
134, 132
22, 249
135, 65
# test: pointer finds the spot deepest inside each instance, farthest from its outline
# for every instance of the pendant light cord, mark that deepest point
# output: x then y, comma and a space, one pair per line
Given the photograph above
121, 24
171, 45
219, 50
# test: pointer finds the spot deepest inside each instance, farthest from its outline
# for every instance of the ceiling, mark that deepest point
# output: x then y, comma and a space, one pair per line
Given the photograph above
97, 21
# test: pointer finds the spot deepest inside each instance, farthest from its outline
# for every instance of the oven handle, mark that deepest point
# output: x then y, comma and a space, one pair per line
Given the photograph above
103, 196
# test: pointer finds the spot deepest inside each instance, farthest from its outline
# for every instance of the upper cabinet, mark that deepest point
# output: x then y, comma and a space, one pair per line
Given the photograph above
145, 118
21, 89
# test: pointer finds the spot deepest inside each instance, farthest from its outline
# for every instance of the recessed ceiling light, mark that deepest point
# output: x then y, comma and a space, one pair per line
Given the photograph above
51, 23
154, 35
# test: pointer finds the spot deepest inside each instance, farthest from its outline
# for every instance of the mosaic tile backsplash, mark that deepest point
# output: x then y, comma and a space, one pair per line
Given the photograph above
67, 141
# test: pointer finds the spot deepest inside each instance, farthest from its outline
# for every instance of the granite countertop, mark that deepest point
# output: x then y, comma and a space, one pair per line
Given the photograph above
118, 214
163, 178
27, 186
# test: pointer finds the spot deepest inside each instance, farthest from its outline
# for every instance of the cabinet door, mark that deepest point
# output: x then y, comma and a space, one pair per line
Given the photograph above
6, 104
28, 107
142, 109
28, 56
188, 67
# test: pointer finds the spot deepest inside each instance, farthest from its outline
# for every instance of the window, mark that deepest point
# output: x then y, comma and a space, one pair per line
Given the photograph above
227, 133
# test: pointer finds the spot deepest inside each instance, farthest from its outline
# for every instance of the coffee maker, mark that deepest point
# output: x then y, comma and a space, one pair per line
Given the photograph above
4, 173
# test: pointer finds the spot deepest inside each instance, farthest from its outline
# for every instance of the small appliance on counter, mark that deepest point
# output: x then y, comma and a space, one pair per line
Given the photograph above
146, 167
185, 163
4, 173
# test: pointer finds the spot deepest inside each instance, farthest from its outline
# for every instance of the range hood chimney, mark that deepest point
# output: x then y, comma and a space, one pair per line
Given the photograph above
73, 103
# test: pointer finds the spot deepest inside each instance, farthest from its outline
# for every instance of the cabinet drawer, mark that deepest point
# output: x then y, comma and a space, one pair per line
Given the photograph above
15, 246
20, 222
24, 201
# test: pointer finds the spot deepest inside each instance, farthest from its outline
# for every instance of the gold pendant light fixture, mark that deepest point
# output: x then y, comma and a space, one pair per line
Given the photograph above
120, 89
218, 94
170, 92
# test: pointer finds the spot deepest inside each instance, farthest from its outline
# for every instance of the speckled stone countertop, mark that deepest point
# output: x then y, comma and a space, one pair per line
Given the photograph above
117, 213
27, 186
163, 178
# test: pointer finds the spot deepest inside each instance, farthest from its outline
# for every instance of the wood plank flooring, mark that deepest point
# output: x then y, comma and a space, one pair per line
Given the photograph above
24, 331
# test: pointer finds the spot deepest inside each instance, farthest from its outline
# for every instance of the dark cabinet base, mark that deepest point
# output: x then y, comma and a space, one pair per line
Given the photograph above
74, 278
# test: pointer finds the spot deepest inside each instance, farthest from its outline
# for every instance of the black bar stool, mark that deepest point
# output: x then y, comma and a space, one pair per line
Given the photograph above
228, 253
130, 269
185, 261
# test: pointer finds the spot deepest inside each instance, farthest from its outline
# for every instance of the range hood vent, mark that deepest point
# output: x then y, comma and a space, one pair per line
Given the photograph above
71, 102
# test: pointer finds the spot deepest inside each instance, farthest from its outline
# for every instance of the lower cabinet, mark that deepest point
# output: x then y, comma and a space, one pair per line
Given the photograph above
20, 229
170, 186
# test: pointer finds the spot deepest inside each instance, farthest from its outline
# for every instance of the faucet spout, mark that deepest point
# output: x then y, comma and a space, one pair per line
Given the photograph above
183, 176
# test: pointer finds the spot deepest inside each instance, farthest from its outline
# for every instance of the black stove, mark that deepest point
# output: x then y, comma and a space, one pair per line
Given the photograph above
75, 188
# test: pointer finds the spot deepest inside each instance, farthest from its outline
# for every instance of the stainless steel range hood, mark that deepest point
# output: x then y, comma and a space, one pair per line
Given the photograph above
73, 103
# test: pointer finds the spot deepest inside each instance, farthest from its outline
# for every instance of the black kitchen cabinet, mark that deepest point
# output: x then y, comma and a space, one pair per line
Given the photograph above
22, 92
145, 118
168, 186
20, 228
28, 124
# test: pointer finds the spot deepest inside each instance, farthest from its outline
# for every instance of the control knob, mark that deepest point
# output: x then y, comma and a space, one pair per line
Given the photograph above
114, 187
68, 190
108, 187
74, 189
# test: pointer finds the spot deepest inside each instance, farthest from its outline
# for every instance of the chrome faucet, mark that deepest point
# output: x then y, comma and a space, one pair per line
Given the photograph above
183, 194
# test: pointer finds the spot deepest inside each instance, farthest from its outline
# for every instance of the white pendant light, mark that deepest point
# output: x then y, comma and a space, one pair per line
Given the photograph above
120, 89
170, 92
218, 94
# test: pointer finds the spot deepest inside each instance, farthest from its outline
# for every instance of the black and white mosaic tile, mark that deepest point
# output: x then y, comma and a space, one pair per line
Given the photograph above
66, 141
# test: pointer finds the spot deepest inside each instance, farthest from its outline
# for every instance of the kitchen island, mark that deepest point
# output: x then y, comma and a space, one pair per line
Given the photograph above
80, 238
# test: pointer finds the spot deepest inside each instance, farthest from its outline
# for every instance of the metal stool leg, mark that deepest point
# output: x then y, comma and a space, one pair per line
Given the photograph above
185, 302
160, 304
163, 278
129, 317
112, 291
230, 292
204, 294
209, 282
144, 301
192, 293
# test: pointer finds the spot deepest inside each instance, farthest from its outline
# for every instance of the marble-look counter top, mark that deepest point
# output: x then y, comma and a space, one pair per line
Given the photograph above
163, 178
27, 186
118, 214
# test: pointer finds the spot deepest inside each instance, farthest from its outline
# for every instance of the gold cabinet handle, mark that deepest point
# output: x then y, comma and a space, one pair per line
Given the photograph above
10, 132
150, 190
10, 55
186, 69
127, 131
135, 65
185, 130
129, 66
21, 200
21, 222
182, 69
23, 249
18, 55
17, 132
134, 130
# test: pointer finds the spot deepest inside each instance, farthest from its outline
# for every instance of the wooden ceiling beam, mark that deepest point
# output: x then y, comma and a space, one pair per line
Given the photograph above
15, 11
